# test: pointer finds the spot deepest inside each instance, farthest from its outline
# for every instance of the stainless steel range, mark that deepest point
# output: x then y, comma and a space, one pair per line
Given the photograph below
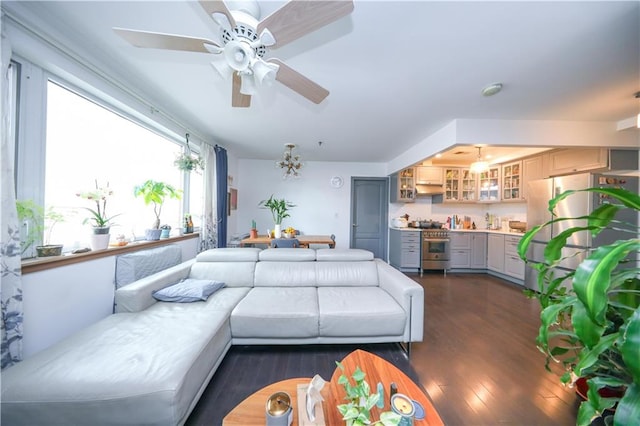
435, 249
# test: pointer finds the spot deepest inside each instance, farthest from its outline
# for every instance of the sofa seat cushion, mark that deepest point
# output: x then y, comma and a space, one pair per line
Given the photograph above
282, 312
130, 368
359, 311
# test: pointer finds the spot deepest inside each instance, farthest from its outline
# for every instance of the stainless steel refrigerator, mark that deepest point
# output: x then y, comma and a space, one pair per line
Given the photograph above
579, 204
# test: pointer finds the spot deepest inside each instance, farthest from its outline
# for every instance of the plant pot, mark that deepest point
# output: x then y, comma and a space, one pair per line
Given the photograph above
101, 230
99, 241
582, 387
277, 232
253, 233
165, 233
152, 234
49, 250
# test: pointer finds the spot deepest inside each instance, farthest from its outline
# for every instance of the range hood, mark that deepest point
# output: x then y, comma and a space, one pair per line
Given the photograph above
427, 190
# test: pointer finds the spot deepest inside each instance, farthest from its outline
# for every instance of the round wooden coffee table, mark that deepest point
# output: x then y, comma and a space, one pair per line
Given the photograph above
252, 411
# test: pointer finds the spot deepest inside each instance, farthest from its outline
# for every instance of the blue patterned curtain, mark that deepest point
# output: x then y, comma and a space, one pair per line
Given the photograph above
10, 265
209, 231
221, 195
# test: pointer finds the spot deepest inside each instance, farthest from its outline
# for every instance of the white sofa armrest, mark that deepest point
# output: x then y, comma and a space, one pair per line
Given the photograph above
408, 293
136, 297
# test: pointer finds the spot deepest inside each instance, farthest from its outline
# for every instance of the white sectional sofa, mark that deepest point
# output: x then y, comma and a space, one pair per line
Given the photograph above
150, 361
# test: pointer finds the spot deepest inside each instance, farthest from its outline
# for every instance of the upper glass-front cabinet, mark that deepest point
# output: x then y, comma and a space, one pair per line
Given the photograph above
489, 184
403, 187
460, 185
512, 181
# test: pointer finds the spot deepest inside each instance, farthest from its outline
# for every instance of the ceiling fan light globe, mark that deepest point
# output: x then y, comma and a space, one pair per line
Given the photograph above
264, 72
248, 85
238, 55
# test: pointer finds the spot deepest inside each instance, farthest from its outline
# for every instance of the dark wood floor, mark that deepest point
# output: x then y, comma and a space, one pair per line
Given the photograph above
478, 361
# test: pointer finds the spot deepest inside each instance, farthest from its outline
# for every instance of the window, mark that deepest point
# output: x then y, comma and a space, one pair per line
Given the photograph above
87, 144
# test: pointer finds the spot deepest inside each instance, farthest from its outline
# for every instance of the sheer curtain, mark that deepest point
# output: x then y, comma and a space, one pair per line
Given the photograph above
221, 194
209, 227
11, 288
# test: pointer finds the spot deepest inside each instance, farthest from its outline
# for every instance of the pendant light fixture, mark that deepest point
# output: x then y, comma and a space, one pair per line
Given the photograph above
290, 164
479, 165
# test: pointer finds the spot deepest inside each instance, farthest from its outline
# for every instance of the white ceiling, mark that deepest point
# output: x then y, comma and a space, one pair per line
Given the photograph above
396, 70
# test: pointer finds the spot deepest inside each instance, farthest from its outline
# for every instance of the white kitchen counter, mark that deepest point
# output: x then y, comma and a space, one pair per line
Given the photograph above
487, 231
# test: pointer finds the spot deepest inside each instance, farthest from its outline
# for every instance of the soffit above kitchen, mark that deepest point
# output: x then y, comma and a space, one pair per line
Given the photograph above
397, 71
464, 155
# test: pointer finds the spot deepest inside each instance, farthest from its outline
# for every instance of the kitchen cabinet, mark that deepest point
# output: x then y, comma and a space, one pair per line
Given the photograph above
402, 186
533, 168
489, 185
404, 249
468, 250
478, 251
513, 265
495, 252
460, 185
426, 175
569, 161
512, 181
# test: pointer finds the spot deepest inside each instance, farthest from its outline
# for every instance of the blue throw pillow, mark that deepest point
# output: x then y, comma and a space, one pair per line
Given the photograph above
188, 290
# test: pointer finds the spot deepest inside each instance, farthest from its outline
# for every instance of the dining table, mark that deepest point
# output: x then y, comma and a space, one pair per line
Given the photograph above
304, 240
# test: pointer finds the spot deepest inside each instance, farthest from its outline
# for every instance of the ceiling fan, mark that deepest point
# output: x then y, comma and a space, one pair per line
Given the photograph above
244, 41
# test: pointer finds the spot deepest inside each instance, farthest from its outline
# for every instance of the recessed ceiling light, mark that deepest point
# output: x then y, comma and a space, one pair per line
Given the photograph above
492, 89
438, 155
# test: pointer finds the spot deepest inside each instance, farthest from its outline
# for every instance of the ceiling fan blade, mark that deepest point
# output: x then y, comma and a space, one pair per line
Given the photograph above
165, 41
238, 99
300, 17
299, 83
218, 6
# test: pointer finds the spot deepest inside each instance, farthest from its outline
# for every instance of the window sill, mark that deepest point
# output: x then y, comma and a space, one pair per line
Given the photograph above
44, 263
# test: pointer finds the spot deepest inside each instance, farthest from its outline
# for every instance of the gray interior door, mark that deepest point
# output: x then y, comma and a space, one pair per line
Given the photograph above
369, 213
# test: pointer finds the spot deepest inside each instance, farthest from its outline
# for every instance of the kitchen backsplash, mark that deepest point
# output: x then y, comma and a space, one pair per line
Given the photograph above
423, 209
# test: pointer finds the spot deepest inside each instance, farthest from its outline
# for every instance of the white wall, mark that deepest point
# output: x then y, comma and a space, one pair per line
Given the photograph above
60, 301
320, 208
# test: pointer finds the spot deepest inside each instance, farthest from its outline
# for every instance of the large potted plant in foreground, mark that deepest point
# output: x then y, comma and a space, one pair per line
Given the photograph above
592, 327
156, 193
279, 210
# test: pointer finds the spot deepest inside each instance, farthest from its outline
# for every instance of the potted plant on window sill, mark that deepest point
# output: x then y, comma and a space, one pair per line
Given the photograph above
279, 210
99, 239
156, 193
51, 218
592, 326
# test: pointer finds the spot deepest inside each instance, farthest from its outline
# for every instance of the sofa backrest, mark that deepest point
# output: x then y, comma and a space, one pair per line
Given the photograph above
233, 266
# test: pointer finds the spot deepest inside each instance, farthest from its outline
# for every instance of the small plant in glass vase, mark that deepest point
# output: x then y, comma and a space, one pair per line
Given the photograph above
156, 193
357, 412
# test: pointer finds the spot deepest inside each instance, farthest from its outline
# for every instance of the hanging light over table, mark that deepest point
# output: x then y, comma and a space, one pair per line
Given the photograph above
290, 164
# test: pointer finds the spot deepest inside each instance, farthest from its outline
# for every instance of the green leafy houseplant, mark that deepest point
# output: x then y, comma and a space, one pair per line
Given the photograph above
279, 208
189, 162
33, 215
357, 411
593, 326
153, 192
99, 196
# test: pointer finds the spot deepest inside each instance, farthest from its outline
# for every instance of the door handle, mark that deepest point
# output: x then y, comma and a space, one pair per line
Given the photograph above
355, 225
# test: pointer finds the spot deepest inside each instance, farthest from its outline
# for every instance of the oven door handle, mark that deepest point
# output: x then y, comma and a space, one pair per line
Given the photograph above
437, 240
